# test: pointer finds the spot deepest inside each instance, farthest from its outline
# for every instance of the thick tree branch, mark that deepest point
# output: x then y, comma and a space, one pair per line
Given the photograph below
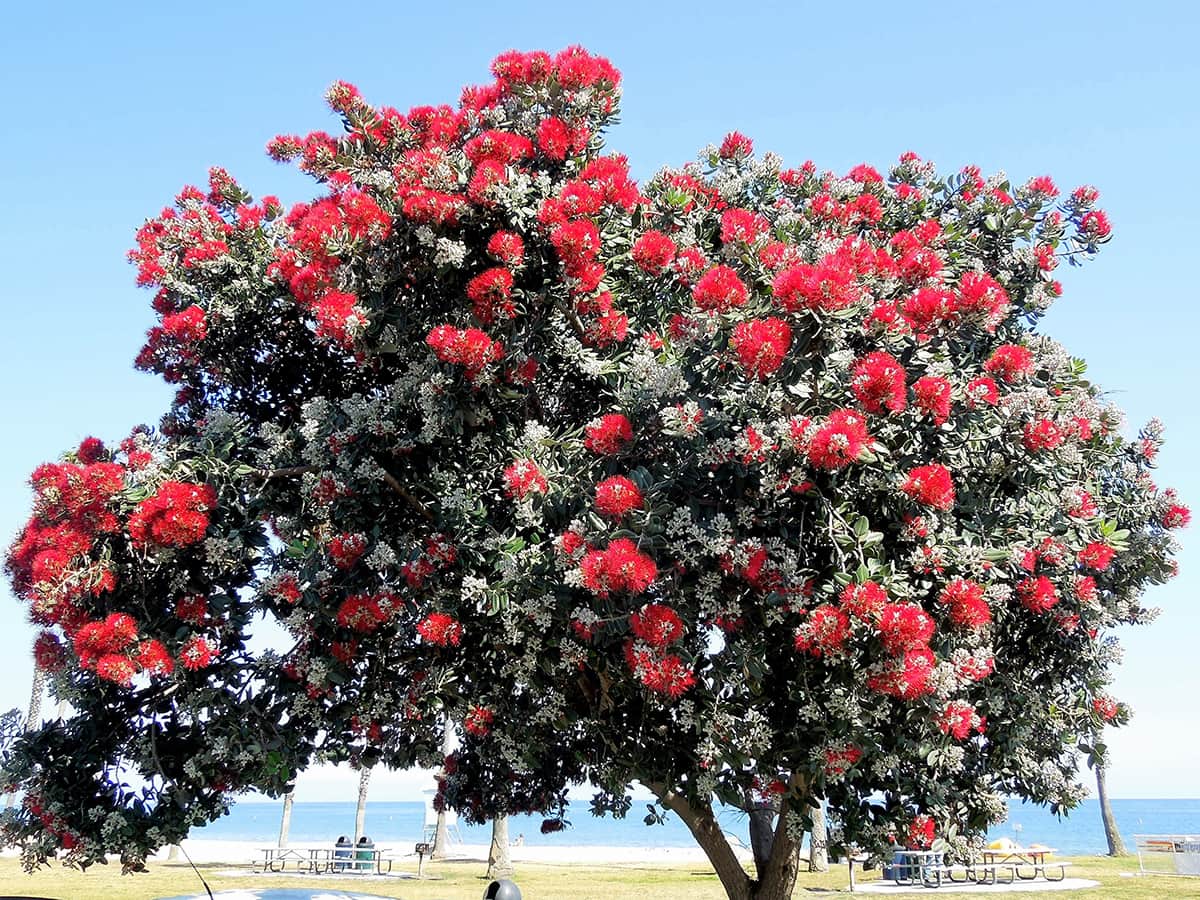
704, 828
412, 501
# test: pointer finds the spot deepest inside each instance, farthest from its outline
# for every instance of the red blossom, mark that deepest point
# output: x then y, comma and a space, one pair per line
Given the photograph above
864, 601
490, 293
968, 607
1037, 594
878, 382
840, 441
176, 516
1010, 362
653, 252
468, 347
522, 478
1041, 435
617, 496
197, 653
761, 345
720, 289
364, 613
823, 632
930, 485
440, 629
932, 396
508, 248
657, 624
346, 549
187, 326
958, 719
1096, 555
735, 146
982, 391
621, 567
904, 627
478, 721
608, 434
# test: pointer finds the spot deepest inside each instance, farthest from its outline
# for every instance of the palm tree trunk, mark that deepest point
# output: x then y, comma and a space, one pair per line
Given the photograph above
360, 815
1116, 846
285, 824
499, 859
818, 854
441, 836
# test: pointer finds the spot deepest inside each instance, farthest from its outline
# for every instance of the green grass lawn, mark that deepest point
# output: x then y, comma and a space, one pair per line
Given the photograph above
465, 881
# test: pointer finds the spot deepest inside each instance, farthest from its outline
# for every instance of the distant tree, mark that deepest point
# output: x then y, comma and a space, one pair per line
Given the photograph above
746, 479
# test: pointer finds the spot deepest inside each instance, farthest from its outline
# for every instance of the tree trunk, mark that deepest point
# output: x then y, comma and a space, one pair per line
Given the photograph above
285, 824
499, 859
441, 836
762, 831
34, 717
818, 842
360, 814
777, 878
1116, 846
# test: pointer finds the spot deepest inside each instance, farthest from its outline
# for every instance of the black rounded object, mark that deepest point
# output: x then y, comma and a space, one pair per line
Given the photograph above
502, 890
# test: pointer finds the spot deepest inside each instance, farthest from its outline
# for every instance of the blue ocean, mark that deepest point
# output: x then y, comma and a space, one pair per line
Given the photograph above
401, 823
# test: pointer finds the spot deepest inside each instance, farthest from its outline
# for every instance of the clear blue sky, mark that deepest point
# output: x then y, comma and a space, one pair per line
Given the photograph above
110, 108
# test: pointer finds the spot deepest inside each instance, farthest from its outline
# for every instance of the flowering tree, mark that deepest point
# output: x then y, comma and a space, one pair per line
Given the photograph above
750, 483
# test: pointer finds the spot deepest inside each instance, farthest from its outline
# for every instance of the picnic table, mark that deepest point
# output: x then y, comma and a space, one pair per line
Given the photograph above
911, 866
1016, 858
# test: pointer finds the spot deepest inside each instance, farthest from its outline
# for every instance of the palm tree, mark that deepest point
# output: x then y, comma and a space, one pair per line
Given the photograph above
1116, 846
441, 837
499, 858
285, 824
818, 855
360, 815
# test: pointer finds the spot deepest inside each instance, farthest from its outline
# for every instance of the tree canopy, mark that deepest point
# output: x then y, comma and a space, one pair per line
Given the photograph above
748, 481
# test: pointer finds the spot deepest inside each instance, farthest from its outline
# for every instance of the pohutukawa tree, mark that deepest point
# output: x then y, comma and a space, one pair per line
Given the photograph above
749, 481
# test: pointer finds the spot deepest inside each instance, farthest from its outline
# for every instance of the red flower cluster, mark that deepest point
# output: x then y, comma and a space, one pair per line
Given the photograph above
932, 396
904, 627
364, 613
619, 567
982, 391
467, 347
1096, 555
968, 607
346, 549
608, 434
878, 382
959, 719
823, 632
720, 289
1037, 594
617, 496
840, 759
662, 674
905, 677
197, 653
478, 721
339, 317
186, 326
1106, 707
840, 441
523, 478
761, 345
741, 226
1041, 435
441, 630
490, 293
1176, 516
508, 248
930, 485
864, 601
176, 516
653, 252
657, 624
1010, 362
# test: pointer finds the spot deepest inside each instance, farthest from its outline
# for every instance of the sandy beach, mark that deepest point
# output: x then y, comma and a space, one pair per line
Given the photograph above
244, 852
